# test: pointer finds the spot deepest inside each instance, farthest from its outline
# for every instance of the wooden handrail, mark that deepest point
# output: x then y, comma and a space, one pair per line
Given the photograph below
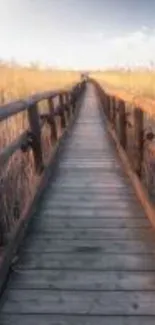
30, 105
15, 107
31, 138
130, 125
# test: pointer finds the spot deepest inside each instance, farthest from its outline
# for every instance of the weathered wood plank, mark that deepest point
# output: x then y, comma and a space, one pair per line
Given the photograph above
93, 234
86, 183
117, 204
75, 319
82, 303
53, 192
81, 280
93, 213
43, 243
86, 196
88, 259
57, 222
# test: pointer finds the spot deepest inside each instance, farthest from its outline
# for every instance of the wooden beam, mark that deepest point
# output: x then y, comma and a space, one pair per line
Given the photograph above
36, 137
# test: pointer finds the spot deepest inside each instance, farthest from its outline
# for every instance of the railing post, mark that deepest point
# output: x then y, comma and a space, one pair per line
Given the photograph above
108, 106
52, 120
67, 106
62, 112
36, 137
70, 106
139, 141
73, 101
117, 116
122, 124
113, 110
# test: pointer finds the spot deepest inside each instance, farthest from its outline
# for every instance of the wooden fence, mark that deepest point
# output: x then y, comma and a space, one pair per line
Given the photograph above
23, 160
135, 130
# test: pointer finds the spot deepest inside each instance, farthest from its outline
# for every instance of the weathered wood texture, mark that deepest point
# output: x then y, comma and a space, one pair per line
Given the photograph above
89, 255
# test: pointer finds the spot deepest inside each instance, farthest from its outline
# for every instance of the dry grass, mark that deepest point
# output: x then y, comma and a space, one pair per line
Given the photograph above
138, 82
17, 82
18, 180
136, 87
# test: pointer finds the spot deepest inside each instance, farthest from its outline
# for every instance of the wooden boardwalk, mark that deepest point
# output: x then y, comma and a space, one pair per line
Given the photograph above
89, 255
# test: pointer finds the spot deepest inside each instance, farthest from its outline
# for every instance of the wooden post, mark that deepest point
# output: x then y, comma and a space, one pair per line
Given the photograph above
122, 124
113, 110
70, 105
139, 143
105, 104
73, 101
117, 116
62, 114
108, 106
36, 137
67, 106
52, 121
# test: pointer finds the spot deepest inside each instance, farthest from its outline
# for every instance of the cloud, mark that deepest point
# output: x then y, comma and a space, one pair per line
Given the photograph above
134, 49
30, 35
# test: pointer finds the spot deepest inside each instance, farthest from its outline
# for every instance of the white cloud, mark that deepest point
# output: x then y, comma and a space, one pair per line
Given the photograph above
137, 48
27, 35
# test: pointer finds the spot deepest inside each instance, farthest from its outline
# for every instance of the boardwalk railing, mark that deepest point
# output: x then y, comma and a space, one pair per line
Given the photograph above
135, 130
35, 125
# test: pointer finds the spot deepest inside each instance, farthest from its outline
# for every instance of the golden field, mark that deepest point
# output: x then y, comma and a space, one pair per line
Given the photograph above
17, 82
135, 86
139, 82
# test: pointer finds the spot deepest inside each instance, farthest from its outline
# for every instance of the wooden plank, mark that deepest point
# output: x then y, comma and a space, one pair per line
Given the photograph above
86, 196
97, 233
51, 319
81, 280
98, 191
89, 189
44, 243
83, 178
92, 213
65, 222
86, 183
89, 259
82, 303
117, 204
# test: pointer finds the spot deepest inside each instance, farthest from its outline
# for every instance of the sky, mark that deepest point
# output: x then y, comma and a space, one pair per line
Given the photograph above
78, 34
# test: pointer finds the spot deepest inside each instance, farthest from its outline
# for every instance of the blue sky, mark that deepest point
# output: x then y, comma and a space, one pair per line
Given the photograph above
78, 33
